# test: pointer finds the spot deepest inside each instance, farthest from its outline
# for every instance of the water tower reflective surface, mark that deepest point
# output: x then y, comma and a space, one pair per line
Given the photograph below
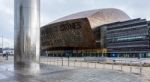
27, 34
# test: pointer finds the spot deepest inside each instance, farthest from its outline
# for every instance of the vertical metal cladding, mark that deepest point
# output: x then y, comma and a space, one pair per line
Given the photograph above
27, 34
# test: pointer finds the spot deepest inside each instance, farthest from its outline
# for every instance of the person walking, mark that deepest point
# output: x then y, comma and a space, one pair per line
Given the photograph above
7, 53
3, 55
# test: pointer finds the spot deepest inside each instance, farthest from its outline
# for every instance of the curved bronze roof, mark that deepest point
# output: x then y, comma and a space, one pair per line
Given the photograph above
98, 17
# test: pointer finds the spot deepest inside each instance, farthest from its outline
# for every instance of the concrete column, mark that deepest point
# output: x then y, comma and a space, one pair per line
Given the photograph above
27, 35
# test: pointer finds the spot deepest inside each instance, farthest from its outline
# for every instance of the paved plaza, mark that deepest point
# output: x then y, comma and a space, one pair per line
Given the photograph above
58, 73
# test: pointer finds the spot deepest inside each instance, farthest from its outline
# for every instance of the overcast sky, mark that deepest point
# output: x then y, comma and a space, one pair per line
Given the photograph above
54, 9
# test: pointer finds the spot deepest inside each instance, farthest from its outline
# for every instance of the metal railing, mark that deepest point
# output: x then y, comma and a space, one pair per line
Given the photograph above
131, 65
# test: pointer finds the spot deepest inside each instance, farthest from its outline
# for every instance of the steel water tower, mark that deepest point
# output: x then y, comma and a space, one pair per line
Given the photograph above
27, 35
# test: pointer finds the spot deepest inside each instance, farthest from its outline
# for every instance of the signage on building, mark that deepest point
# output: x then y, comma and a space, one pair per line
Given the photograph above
71, 33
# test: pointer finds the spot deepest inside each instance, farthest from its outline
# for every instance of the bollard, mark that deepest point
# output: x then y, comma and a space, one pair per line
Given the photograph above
95, 61
86, 59
103, 65
141, 68
121, 64
81, 60
99, 62
95, 65
68, 61
103, 61
53, 58
74, 60
76, 64
62, 60
130, 66
57, 59
47, 60
87, 64
50, 59
113, 65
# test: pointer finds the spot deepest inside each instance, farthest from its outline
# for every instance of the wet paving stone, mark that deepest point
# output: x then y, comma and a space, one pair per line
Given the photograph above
51, 73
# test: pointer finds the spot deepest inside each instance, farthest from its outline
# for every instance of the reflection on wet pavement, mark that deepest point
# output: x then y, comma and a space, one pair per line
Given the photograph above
50, 73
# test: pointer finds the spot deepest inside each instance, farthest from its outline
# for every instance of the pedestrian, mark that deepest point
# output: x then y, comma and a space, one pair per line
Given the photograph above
7, 53
4, 55
46, 53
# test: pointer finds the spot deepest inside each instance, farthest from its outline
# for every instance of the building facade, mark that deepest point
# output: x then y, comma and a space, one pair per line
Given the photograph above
130, 37
73, 34
76, 31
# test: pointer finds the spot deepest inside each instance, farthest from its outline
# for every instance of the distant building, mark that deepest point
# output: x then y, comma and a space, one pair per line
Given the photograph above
130, 37
8, 50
